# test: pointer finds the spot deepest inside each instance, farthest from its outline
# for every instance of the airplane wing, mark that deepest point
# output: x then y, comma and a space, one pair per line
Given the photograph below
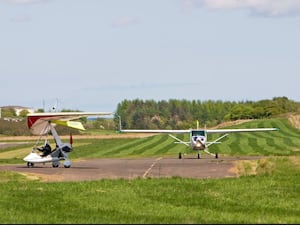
207, 131
240, 130
38, 122
156, 131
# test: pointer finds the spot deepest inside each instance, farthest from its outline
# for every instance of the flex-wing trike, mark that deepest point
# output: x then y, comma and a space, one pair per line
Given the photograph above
44, 123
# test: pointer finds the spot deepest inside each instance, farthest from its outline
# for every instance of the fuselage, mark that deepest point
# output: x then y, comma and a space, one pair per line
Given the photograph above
198, 139
34, 157
55, 155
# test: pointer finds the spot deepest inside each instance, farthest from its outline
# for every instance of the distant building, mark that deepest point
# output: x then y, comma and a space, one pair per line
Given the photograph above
17, 109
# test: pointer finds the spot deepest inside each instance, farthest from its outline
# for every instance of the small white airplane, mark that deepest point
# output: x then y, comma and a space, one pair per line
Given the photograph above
198, 137
43, 123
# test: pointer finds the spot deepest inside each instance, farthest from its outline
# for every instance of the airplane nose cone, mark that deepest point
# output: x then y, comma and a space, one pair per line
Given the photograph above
199, 143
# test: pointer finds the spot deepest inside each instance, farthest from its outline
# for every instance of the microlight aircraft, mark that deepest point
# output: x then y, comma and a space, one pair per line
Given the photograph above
198, 137
44, 123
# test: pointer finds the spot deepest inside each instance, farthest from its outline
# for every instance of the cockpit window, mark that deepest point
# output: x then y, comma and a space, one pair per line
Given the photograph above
198, 133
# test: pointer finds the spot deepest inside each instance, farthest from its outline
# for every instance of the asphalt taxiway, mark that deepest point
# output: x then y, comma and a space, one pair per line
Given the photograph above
129, 168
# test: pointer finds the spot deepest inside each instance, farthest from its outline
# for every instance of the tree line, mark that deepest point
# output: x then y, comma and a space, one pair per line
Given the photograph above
166, 114
182, 114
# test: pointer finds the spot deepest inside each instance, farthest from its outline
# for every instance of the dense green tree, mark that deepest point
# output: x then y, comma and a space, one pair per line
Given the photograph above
183, 114
8, 112
23, 113
40, 110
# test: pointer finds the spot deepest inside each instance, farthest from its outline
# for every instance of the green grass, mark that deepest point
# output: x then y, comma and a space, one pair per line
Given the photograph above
265, 198
268, 191
285, 142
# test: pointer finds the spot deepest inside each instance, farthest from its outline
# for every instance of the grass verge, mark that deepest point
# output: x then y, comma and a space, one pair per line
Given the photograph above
269, 196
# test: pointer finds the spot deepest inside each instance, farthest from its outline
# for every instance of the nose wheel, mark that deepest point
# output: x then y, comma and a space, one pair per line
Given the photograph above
30, 164
55, 164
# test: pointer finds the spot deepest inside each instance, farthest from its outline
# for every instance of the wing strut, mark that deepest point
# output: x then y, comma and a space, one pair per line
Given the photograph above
180, 141
216, 141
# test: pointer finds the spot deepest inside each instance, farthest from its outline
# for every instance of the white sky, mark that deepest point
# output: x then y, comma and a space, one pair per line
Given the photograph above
92, 54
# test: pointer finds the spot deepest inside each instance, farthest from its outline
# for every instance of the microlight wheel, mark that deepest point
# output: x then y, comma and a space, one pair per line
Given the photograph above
30, 164
55, 164
67, 164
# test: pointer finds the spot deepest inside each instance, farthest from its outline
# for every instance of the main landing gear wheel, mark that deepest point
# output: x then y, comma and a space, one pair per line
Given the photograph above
67, 164
30, 164
179, 155
217, 155
55, 164
199, 156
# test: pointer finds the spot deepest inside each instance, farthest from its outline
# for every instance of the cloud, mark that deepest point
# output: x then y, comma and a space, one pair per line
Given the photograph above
124, 21
271, 8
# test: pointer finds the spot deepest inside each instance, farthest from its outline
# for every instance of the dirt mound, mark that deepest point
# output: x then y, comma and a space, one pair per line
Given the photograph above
294, 119
230, 123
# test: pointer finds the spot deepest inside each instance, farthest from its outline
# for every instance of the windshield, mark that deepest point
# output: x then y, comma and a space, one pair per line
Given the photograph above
198, 133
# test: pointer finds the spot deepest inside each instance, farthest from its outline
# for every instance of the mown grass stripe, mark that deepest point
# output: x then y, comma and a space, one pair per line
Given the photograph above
286, 141
100, 148
128, 146
170, 148
285, 128
253, 142
150, 145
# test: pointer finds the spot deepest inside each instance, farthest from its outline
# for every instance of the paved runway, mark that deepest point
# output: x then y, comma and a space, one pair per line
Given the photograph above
95, 169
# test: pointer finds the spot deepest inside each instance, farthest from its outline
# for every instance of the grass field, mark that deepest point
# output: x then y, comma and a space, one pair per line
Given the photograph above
270, 196
284, 142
